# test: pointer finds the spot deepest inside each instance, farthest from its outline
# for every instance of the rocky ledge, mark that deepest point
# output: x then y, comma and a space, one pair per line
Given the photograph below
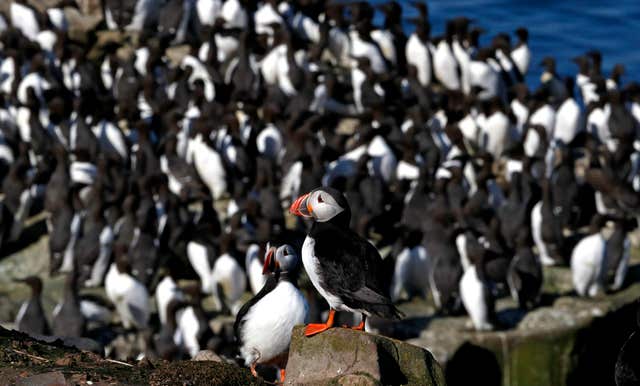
336, 357
26, 361
341, 356
566, 341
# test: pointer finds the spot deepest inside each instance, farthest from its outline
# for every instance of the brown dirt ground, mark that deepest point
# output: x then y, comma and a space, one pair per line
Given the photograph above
22, 357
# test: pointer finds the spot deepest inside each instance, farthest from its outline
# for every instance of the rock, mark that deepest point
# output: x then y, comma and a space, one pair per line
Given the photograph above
357, 380
329, 357
573, 341
207, 355
54, 378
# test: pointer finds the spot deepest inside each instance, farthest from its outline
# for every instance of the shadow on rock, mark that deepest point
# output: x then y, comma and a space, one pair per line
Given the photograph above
473, 363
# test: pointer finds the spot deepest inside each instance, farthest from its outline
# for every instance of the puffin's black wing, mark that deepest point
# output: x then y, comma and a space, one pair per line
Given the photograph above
271, 283
351, 268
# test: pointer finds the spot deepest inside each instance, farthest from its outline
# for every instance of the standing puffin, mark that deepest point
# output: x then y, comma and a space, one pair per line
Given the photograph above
264, 324
344, 268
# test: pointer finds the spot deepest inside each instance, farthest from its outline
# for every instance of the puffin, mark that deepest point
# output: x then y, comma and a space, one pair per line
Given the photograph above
264, 324
344, 268
31, 318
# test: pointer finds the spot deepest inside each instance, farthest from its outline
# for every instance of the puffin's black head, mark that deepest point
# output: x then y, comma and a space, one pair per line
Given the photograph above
322, 204
282, 259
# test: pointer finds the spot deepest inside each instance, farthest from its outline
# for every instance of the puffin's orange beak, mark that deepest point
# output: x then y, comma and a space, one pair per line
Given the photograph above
301, 206
266, 268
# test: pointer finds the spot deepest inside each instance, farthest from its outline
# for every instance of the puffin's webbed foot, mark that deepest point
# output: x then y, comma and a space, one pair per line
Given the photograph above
359, 327
316, 328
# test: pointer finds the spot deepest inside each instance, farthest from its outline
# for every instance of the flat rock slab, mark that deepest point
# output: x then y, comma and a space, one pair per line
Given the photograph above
346, 357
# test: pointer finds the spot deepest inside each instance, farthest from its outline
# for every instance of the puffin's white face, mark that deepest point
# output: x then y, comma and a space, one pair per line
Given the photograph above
286, 258
318, 204
282, 259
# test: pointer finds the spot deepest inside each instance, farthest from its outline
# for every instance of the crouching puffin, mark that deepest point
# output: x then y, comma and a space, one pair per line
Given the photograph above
345, 268
264, 324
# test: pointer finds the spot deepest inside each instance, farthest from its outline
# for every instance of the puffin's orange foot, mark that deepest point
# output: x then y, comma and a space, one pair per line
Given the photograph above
315, 328
359, 327
253, 370
282, 374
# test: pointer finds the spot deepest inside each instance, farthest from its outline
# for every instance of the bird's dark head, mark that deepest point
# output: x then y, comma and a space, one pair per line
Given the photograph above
323, 205
523, 34
34, 282
281, 259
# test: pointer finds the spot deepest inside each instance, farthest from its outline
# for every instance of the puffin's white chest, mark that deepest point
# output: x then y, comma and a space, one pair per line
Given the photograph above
266, 332
310, 262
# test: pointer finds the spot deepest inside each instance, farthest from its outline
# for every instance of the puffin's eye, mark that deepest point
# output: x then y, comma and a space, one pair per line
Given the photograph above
320, 198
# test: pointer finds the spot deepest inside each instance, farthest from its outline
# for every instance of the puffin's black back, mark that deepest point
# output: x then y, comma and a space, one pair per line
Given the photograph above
351, 268
272, 282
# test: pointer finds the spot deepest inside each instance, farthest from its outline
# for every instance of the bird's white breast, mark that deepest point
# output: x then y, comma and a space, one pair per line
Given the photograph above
311, 265
587, 264
266, 332
472, 294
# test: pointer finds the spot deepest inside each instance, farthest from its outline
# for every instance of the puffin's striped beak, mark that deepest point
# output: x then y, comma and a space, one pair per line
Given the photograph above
269, 261
301, 206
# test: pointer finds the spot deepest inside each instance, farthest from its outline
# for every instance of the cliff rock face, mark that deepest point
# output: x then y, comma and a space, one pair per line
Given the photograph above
342, 356
570, 341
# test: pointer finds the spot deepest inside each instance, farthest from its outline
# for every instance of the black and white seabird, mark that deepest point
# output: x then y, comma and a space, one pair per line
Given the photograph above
525, 272
129, 295
588, 262
67, 317
228, 280
264, 324
31, 318
344, 268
